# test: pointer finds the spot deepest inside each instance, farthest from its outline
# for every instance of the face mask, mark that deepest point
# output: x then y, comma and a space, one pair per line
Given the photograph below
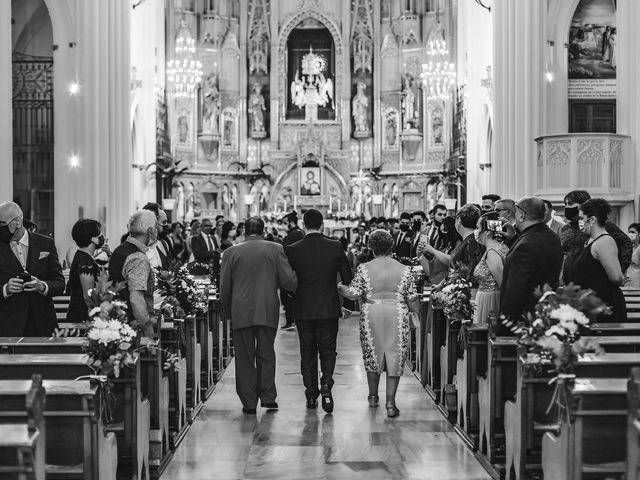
232, 234
476, 235
417, 225
5, 234
633, 236
571, 212
152, 238
166, 229
582, 225
404, 227
100, 242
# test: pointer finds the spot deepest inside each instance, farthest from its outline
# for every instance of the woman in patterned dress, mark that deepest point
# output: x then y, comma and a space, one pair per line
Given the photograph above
387, 293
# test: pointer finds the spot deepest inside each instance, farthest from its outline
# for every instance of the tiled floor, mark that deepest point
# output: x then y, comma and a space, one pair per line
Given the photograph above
355, 442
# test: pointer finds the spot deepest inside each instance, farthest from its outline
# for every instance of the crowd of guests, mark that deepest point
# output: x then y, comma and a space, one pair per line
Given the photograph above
507, 248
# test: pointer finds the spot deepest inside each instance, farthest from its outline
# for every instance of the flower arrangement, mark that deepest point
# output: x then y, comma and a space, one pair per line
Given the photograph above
454, 294
199, 268
553, 331
181, 285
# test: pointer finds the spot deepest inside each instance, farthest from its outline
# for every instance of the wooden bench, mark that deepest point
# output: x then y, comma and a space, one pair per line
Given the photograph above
448, 366
76, 444
61, 306
22, 444
591, 441
435, 332
525, 417
131, 422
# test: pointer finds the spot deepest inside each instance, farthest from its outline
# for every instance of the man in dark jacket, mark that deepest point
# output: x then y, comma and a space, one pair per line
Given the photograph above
535, 259
294, 234
30, 275
317, 261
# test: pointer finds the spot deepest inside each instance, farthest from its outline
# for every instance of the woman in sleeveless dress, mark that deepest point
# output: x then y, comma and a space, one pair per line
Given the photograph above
596, 266
488, 272
84, 270
387, 293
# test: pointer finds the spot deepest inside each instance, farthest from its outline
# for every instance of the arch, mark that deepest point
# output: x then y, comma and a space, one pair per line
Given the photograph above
62, 20
310, 11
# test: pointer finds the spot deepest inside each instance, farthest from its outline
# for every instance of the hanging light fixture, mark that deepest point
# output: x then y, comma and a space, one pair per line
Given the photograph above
185, 70
438, 74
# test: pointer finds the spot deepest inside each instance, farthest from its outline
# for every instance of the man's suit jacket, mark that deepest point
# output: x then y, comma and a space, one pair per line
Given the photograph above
535, 259
30, 313
404, 248
252, 272
294, 235
317, 261
200, 249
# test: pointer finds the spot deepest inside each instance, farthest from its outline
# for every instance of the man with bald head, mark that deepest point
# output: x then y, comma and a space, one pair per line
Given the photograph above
534, 259
30, 275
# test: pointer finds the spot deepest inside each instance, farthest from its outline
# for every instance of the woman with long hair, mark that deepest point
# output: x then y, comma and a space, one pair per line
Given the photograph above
632, 278
227, 236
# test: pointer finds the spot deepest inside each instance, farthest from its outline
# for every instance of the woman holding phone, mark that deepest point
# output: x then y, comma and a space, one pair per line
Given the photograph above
488, 272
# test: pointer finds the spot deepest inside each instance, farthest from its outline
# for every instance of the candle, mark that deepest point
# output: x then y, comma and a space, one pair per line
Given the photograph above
285, 205
338, 204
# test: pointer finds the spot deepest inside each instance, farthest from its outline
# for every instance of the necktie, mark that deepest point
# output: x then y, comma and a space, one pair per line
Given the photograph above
209, 244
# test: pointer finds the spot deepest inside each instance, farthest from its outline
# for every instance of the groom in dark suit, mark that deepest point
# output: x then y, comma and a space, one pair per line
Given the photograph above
535, 259
30, 275
317, 261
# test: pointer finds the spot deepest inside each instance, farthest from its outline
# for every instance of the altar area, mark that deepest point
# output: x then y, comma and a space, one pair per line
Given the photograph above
305, 103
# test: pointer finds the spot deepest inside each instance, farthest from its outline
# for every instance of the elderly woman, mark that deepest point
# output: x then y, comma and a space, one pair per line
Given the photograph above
387, 292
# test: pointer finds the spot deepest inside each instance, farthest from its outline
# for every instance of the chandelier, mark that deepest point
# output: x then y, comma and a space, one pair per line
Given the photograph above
438, 74
184, 71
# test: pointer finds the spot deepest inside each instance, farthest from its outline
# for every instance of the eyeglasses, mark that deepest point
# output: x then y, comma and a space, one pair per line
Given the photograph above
523, 210
2, 224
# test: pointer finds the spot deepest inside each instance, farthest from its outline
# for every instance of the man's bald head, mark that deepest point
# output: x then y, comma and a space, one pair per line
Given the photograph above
533, 207
9, 211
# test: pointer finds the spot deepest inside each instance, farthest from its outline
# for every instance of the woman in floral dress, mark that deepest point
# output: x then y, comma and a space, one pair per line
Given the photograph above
387, 293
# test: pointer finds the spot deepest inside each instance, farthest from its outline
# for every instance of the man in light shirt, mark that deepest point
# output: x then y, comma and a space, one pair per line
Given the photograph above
553, 222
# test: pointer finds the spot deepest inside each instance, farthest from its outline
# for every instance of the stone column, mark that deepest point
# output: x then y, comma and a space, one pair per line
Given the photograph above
6, 107
273, 80
346, 75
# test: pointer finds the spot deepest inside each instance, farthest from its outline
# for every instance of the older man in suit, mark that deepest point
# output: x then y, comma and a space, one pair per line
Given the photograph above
252, 272
317, 261
534, 259
30, 275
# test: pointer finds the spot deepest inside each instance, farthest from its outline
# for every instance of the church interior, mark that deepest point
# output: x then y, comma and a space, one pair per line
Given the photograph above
360, 109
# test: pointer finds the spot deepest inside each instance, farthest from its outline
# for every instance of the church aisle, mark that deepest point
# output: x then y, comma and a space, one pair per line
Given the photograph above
355, 442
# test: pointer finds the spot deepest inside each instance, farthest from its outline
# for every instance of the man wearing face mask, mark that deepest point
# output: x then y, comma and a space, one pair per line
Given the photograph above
403, 241
294, 234
573, 239
534, 259
129, 264
419, 226
160, 254
30, 275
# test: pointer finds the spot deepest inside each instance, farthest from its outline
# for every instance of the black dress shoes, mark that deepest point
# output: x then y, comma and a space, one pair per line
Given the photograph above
327, 398
312, 403
249, 411
269, 406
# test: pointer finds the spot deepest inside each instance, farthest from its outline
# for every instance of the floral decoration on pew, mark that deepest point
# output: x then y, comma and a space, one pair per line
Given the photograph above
454, 295
554, 333
181, 285
199, 269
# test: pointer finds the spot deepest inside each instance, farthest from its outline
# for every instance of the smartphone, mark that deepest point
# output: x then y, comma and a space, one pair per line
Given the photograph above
495, 226
24, 276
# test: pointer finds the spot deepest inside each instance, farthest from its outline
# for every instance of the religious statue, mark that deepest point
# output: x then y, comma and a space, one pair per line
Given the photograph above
189, 199
211, 105
256, 110
359, 105
391, 130
395, 200
233, 203
180, 208
297, 91
313, 88
408, 105
225, 199
183, 127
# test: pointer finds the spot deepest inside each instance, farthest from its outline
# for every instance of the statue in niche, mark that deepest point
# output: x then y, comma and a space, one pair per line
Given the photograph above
228, 136
436, 127
264, 198
233, 203
179, 209
391, 130
189, 198
356, 199
395, 200
183, 127
297, 91
225, 199
360, 105
386, 200
211, 104
257, 109
408, 105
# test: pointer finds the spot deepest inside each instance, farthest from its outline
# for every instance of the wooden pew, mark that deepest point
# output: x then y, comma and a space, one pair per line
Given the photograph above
620, 329
633, 425
76, 444
61, 306
591, 440
131, 417
448, 366
525, 417
436, 330
194, 363
22, 445
470, 368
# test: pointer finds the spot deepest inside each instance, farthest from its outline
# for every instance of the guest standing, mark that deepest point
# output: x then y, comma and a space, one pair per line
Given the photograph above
438, 258
317, 261
205, 246
294, 234
403, 240
178, 243
30, 275
534, 259
130, 266
488, 271
87, 234
633, 272
252, 272
596, 265
159, 253
227, 236
387, 292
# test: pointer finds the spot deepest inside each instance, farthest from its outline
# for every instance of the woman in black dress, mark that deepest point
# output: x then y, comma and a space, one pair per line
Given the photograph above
228, 235
84, 270
596, 264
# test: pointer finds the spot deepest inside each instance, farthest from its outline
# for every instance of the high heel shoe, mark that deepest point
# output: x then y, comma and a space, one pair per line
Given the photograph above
373, 400
392, 411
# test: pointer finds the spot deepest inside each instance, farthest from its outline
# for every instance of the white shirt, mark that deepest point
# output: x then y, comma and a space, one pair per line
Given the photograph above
154, 257
20, 248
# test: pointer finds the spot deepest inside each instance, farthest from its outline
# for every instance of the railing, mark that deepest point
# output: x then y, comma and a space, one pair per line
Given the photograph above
600, 163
